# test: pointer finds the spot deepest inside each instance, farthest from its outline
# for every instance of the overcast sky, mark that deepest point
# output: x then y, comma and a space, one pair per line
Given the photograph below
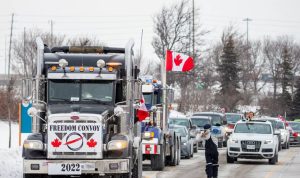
115, 21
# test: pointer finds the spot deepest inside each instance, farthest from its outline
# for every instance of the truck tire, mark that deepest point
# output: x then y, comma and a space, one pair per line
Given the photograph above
225, 144
230, 159
274, 160
174, 155
178, 152
158, 161
288, 145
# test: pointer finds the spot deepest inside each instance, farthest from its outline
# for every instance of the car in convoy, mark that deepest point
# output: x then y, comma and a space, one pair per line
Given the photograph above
186, 122
217, 120
186, 141
253, 140
295, 134
200, 121
274, 121
232, 118
284, 134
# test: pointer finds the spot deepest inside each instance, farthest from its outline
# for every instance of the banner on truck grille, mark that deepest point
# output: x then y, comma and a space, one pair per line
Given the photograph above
74, 137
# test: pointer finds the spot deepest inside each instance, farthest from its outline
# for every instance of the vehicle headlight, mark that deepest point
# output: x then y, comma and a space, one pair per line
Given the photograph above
148, 135
234, 140
268, 141
184, 143
117, 145
33, 145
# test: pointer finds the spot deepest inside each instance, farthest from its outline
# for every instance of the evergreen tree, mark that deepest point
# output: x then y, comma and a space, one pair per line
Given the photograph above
286, 78
295, 109
228, 70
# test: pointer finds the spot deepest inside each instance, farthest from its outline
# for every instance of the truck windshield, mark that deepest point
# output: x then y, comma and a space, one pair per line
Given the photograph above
81, 91
148, 98
253, 128
215, 119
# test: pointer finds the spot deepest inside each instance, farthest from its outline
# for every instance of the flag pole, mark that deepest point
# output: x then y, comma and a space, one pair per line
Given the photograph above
164, 85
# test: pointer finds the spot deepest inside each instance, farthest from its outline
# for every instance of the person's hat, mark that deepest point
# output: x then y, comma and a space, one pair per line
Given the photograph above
207, 126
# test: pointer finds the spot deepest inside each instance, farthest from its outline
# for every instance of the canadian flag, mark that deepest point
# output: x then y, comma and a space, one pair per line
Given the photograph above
178, 62
142, 112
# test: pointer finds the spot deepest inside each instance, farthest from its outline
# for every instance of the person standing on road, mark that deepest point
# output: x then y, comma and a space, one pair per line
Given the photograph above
211, 152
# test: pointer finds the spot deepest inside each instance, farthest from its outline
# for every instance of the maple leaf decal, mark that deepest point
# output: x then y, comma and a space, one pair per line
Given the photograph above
92, 143
56, 143
178, 60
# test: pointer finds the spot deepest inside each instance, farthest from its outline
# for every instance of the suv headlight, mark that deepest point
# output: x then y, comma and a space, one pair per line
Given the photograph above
33, 145
234, 140
268, 141
117, 145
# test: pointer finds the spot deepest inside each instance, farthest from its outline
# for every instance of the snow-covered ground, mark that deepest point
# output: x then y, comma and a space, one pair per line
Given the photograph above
10, 159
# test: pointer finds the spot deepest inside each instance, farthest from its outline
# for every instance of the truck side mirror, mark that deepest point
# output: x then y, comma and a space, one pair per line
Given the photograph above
194, 127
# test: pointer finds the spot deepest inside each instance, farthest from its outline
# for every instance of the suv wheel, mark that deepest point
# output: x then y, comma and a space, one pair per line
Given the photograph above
274, 160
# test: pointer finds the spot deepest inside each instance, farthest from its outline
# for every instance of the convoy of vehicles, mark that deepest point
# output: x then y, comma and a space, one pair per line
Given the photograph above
253, 140
83, 115
217, 120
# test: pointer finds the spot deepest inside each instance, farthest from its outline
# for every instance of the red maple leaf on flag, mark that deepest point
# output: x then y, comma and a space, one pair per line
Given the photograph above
178, 60
92, 143
56, 143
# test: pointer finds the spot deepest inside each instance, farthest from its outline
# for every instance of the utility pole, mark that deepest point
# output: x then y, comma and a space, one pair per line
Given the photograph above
10, 41
9, 78
247, 20
194, 29
51, 34
5, 58
24, 52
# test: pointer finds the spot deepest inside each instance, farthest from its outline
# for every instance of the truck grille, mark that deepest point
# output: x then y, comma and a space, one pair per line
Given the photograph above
256, 144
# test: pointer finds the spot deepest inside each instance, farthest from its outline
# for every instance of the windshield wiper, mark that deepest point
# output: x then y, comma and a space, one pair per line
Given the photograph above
60, 99
96, 100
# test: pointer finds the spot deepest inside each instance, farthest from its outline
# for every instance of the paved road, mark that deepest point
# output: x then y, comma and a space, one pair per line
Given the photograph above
287, 167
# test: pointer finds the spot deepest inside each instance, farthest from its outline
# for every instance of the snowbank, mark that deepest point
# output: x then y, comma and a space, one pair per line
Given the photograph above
10, 159
174, 113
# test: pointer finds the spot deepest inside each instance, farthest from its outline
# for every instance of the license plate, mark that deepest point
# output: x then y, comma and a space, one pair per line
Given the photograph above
250, 147
64, 169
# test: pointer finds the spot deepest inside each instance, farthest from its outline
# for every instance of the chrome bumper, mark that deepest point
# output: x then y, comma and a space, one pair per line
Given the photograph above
102, 167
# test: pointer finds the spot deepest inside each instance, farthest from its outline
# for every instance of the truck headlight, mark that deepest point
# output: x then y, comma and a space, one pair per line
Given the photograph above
148, 135
33, 145
117, 145
268, 141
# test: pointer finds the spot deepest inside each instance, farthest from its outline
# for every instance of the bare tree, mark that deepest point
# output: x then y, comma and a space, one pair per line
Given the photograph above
24, 50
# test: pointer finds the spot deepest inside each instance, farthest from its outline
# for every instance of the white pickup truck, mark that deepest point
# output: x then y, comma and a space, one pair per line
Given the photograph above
253, 140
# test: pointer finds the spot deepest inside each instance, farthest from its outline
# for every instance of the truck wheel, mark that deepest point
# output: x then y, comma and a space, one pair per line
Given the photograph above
158, 161
178, 152
274, 159
173, 157
279, 147
230, 159
288, 145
